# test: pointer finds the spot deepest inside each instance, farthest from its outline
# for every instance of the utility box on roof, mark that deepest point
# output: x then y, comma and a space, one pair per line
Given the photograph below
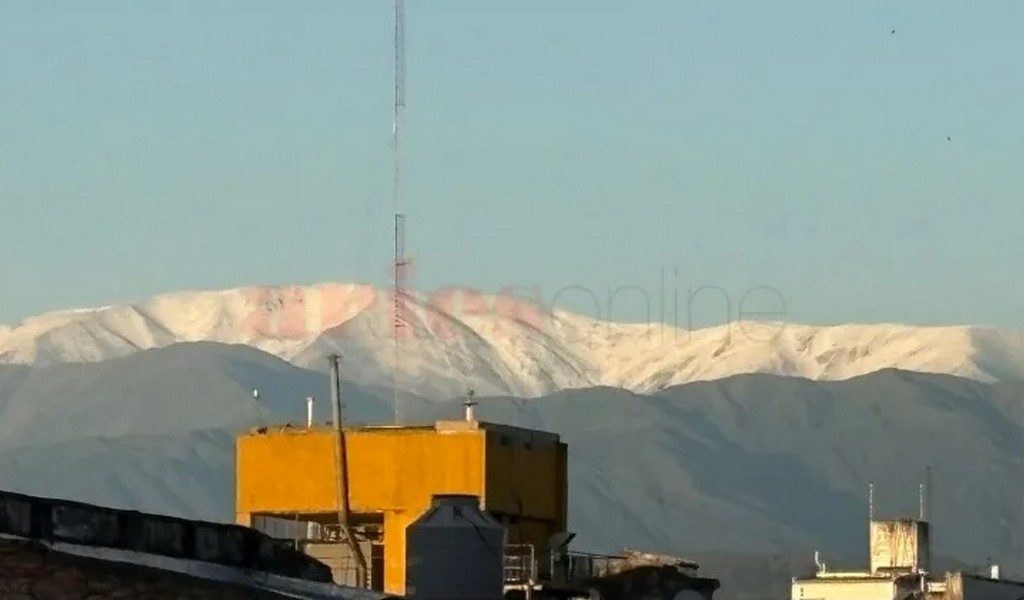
392, 473
899, 545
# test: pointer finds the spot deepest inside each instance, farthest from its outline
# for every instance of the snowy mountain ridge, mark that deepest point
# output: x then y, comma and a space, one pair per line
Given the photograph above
500, 344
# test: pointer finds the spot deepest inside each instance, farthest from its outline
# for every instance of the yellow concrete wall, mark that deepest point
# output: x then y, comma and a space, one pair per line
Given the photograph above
391, 471
403, 471
288, 472
396, 472
395, 524
294, 471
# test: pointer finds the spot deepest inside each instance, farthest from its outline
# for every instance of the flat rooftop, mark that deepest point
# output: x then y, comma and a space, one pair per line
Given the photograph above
452, 426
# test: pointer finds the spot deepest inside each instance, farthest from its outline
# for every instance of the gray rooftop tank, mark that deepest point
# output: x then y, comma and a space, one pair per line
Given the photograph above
455, 551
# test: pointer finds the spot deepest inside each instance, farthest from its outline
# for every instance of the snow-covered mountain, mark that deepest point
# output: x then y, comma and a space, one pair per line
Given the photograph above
500, 344
751, 463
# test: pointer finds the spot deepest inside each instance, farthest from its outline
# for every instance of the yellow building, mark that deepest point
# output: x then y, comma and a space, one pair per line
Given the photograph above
289, 474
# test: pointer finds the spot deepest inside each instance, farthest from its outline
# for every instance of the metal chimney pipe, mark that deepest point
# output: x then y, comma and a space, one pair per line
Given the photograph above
341, 473
309, 412
335, 391
469, 403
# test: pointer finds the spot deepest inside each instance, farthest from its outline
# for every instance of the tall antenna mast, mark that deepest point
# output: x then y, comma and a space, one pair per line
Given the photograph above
401, 262
920, 502
928, 497
928, 516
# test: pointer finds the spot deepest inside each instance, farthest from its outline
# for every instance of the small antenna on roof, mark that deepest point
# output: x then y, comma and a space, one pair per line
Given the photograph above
259, 407
920, 501
871, 501
469, 403
927, 495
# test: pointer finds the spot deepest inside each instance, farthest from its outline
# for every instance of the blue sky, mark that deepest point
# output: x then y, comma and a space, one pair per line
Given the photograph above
156, 146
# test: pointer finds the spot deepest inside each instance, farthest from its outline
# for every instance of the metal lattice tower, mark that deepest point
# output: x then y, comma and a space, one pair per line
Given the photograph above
401, 262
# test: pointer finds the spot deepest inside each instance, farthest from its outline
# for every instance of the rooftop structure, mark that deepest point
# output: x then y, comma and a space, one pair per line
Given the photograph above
899, 545
899, 568
287, 478
71, 549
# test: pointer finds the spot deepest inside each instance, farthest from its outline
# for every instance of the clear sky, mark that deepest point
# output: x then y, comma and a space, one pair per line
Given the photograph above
157, 146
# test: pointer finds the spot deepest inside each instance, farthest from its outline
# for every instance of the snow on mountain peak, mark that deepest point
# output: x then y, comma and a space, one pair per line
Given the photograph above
499, 344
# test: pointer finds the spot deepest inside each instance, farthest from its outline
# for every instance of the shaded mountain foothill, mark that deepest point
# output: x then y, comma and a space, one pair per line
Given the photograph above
742, 470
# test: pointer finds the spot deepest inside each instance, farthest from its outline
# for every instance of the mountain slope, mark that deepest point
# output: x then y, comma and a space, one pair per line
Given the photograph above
752, 463
184, 474
501, 345
164, 392
763, 463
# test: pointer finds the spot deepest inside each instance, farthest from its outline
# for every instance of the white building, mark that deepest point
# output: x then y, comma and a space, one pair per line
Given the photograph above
900, 557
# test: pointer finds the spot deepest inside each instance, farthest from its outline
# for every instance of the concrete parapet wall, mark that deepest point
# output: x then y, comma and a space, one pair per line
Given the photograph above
30, 571
88, 525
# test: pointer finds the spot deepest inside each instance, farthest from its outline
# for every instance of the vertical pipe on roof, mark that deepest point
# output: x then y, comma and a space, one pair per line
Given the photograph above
341, 472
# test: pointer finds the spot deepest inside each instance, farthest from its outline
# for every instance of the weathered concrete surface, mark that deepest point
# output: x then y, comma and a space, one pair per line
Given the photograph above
637, 575
29, 571
634, 559
652, 583
899, 545
963, 585
229, 545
